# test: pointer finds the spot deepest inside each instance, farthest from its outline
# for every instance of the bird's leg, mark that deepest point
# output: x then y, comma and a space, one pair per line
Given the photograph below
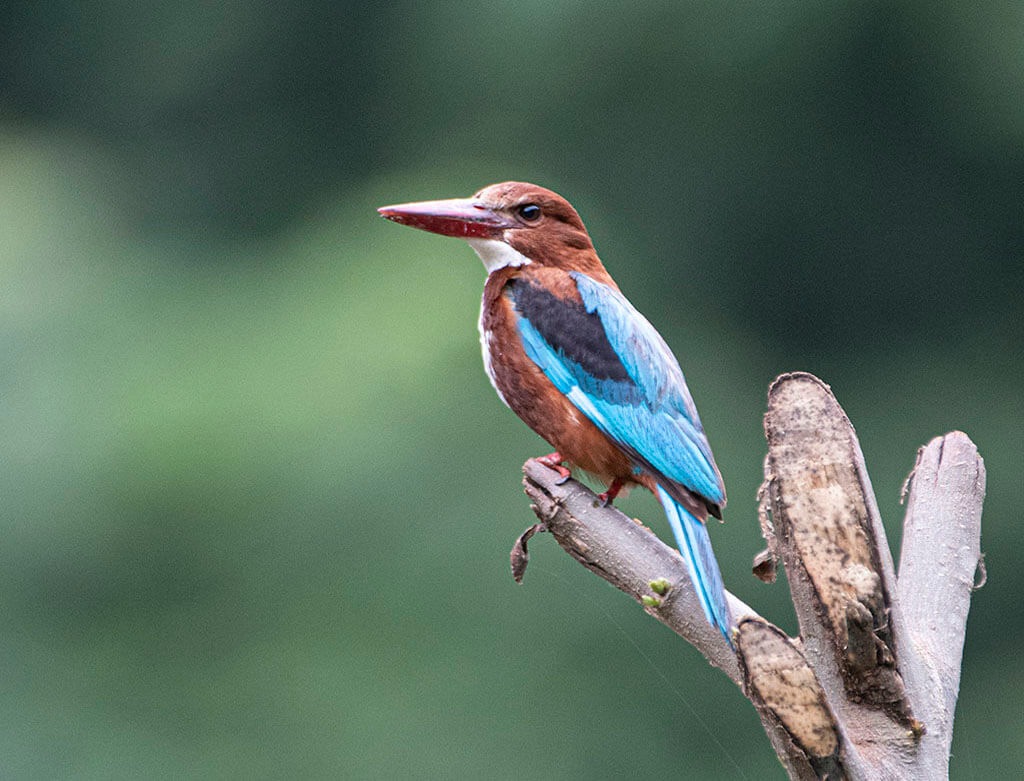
554, 461
613, 490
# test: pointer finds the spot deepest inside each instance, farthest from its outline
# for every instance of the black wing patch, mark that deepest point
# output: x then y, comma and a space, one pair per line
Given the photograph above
570, 330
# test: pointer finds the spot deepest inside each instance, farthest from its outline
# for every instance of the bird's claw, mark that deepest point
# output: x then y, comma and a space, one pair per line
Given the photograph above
605, 499
554, 461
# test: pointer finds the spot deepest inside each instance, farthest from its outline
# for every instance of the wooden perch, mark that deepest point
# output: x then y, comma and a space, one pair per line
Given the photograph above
869, 688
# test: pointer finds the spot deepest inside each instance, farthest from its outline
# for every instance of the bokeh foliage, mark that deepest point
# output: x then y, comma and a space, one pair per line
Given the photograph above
257, 492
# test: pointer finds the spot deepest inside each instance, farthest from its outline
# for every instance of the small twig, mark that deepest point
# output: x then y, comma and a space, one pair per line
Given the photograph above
519, 555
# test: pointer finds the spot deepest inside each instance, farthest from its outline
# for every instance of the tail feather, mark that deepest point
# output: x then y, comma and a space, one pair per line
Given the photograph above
695, 545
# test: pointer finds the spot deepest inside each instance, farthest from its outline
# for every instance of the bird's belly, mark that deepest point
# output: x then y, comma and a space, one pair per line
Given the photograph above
531, 395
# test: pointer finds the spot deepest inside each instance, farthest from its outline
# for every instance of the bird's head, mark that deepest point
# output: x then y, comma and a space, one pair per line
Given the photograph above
508, 224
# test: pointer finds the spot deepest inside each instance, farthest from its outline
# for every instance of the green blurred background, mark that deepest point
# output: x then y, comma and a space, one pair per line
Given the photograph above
257, 494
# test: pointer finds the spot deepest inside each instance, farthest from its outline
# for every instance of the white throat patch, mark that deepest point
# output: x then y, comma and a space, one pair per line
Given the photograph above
497, 254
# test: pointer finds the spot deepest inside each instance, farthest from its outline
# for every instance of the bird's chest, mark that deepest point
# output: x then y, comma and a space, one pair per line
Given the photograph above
513, 375
520, 383
488, 348
526, 389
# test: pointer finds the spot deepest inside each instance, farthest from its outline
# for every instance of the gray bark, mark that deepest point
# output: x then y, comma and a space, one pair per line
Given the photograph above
869, 688
940, 553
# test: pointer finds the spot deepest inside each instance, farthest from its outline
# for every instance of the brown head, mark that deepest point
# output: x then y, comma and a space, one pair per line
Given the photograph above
509, 224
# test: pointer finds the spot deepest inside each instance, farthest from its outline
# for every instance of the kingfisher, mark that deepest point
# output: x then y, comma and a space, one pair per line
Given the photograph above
572, 357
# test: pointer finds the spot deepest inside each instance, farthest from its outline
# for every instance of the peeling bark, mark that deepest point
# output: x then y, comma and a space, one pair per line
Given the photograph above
779, 681
820, 510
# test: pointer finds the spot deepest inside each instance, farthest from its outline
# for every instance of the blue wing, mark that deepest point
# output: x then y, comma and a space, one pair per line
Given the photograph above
616, 369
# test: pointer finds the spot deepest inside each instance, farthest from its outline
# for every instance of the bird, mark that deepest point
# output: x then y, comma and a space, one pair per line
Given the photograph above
576, 361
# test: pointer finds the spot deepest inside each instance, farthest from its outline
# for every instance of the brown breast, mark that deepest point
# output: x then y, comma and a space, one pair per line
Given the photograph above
528, 391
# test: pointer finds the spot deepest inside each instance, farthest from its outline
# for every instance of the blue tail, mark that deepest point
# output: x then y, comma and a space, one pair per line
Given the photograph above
695, 545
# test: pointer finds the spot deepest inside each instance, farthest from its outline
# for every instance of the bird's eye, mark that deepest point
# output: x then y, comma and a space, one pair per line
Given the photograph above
529, 212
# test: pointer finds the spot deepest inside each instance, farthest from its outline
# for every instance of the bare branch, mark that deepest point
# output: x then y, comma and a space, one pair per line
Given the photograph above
940, 553
631, 557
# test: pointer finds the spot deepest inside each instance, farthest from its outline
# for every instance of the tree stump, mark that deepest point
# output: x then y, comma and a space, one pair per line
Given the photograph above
868, 689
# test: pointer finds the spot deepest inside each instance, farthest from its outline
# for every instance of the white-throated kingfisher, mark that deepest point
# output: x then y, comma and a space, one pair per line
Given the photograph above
581, 366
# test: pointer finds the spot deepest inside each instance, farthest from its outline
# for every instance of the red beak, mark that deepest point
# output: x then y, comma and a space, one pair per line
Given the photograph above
463, 218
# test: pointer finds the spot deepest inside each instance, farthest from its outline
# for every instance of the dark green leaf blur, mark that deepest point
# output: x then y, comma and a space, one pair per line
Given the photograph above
257, 494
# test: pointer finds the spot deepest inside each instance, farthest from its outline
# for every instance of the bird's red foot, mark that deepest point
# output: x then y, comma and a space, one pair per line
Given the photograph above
613, 490
554, 461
